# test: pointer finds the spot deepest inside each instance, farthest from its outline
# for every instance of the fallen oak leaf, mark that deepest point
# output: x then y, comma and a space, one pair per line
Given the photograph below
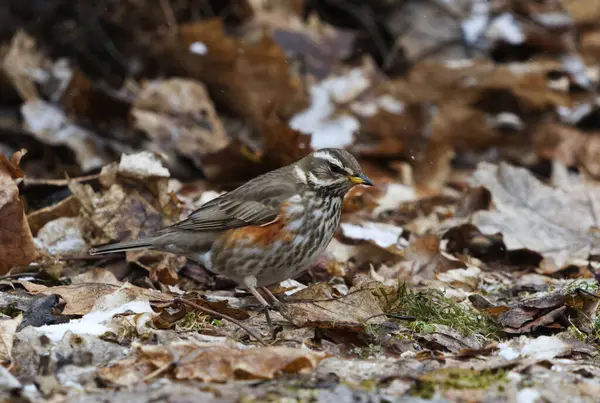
17, 246
315, 307
214, 363
178, 116
244, 78
555, 222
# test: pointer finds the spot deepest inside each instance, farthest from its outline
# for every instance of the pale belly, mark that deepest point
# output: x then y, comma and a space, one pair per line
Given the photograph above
307, 237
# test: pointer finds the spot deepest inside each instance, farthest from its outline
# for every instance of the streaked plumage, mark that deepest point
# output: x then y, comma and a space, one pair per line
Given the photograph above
267, 230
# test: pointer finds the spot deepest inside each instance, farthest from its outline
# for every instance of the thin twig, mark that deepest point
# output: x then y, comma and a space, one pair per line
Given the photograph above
57, 182
17, 275
106, 256
222, 316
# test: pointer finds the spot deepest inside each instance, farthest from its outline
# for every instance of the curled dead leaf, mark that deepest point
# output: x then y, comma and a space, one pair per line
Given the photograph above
213, 363
16, 242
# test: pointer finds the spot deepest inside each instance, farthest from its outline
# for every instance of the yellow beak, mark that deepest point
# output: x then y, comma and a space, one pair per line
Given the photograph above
361, 179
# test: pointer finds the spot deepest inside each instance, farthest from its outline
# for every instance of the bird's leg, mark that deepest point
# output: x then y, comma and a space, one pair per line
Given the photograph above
276, 300
250, 283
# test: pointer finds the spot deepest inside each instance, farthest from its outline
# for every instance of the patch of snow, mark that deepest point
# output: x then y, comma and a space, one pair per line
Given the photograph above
340, 252
295, 285
505, 27
318, 120
395, 194
53, 127
43, 117
507, 352
575, 66
459, 63
94, 323
61, 236
390, 104
207, 196
474, 26
545, 348
553, 19
142, 165
505, 120
198, 48
469, 276
383, 235
7, 380
527, 395
575, 114
338, 132
539, 348
345, 88
364, 109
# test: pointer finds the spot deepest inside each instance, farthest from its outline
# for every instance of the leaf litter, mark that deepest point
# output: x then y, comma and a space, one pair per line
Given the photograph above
469, 273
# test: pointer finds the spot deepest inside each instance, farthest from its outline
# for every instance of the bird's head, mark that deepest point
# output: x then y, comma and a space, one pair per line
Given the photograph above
331, 170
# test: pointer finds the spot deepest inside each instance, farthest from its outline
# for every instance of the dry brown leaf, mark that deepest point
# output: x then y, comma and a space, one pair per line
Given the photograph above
214, 363
50, 125
19, 63
281, 145
317, 306
244, 78
80, 298
129, 371
318, 46
385, 236
557, 222
569, 146
178, 115
122, 211
222, 307
8, 328
82, 100
133, 203
163, 267
96, 275
62, 236
68, 207
582, 12
16, 242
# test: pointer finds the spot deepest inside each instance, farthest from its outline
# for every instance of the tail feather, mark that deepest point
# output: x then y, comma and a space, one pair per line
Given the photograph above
122, 246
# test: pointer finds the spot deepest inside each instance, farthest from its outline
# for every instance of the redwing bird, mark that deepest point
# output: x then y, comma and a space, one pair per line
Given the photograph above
270, 229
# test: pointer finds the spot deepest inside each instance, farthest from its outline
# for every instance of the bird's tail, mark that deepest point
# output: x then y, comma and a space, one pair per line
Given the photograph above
122, 246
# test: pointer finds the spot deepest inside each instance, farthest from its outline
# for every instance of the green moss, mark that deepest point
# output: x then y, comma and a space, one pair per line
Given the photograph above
196, 320
193, 321
432, 307
589, 285
456, 378
578, 334
10, 310
372, 350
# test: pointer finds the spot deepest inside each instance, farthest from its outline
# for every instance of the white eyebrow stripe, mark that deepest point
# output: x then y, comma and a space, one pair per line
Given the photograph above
318, 181
328, 157
300, 174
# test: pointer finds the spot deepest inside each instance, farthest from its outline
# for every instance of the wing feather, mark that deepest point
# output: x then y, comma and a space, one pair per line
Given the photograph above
257, 202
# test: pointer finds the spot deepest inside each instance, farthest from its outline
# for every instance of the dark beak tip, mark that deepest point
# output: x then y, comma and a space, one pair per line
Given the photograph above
367, 180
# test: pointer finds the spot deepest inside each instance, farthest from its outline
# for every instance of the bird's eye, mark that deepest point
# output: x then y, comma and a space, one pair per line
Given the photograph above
337, 169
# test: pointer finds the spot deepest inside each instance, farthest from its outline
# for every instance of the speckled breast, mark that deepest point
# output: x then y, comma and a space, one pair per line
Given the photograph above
282, 249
